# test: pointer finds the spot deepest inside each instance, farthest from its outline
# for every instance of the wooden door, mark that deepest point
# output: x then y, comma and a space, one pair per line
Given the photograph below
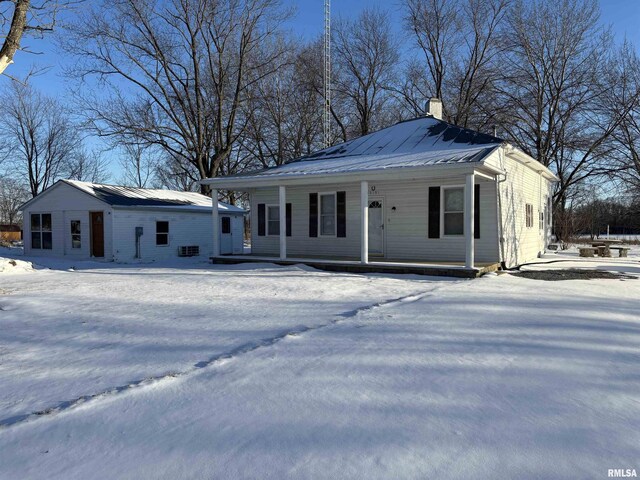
97, 234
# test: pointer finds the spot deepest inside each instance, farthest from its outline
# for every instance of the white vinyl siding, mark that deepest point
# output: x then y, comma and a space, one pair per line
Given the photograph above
67, 203
405, 227
523, 186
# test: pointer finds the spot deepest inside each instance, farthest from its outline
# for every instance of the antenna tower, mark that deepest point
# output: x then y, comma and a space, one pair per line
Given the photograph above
326, 117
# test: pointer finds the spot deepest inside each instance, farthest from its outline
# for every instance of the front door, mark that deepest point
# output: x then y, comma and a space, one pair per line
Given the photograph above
97, 234
376, 226
226, 237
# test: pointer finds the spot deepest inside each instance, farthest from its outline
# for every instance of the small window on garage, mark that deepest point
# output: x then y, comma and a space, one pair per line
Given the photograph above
226, 224
41, 235
162, 233
76, 234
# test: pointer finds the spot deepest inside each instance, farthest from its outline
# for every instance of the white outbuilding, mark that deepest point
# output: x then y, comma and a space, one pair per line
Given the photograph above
81, 220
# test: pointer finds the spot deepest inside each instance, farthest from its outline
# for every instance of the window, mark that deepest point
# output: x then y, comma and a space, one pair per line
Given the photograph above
327, 215
453, 211
529, 215
76, 234
41, 236
162, 233
226, 224
273, 220
541, 220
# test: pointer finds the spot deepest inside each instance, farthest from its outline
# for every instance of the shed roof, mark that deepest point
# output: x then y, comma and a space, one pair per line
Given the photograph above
119, 196
422, 141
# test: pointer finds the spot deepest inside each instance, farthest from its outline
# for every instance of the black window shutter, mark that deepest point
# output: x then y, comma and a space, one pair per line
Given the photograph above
313, 214
434, 212
476, 211
261, 220
341, 206
288, 219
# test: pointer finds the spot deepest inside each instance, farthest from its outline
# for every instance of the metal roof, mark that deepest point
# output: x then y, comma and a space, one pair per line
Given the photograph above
119, 196
419, 142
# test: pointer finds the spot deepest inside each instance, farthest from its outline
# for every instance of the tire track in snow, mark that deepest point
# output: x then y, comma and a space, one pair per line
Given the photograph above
217, 359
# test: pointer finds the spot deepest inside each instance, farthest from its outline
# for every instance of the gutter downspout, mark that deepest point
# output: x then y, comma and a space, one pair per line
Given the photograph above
501, 253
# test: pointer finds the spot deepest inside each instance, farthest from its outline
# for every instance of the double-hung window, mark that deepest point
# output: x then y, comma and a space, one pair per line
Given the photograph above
41, 235
162, 233
453, 211
327, 217
76, 234
273, 220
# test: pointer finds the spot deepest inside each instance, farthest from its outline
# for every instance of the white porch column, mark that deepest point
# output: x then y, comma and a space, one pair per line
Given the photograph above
468, 220
364, 221
216, 222
283, 221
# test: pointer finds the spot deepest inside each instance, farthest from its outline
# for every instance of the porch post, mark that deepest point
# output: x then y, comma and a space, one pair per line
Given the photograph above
468, 220
282, 207
216, 222
364, 221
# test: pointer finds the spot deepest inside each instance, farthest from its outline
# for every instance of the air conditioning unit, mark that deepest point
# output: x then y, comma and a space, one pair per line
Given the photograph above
189, 251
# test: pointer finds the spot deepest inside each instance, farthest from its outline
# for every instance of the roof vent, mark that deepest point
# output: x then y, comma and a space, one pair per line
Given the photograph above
434, 108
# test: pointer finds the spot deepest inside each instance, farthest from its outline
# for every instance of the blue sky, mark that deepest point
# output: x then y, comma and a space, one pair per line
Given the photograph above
622, 15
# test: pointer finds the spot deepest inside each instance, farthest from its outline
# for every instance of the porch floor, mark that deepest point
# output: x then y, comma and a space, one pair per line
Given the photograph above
375, 265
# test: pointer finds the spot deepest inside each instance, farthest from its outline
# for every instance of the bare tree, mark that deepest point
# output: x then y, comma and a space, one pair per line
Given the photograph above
563, 95
459, 43
283, 118
178, 72
366, 55
88, 166
41, 137
626, 152
19, 18
137, 164
12, 195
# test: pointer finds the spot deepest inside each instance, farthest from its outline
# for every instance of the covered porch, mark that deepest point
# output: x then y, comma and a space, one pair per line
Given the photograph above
362, 194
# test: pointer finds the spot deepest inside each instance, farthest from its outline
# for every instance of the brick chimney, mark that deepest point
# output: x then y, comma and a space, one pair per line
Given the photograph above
434, 108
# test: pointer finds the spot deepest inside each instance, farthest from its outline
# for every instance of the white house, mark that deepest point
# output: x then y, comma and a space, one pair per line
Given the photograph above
422, 193
83, 220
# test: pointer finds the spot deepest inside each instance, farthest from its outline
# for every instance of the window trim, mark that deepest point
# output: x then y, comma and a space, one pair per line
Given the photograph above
267, 206
163, 233
335, 214
40, 230
528, 215
443, 212
75, 234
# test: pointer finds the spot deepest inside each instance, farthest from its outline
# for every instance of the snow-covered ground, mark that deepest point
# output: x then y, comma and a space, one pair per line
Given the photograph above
189, 370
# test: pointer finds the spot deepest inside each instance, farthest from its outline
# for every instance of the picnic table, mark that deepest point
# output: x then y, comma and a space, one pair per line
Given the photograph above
604, 246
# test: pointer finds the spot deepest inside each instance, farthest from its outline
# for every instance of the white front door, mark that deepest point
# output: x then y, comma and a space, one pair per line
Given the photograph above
226, 238
376, 226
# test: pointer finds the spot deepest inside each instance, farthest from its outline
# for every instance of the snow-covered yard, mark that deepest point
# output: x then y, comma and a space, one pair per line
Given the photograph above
256, 371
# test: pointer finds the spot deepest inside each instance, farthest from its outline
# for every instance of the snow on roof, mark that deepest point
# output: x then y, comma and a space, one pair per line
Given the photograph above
419, 142
146, 197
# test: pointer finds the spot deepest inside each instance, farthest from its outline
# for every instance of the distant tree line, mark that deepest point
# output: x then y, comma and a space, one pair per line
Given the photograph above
192, 89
